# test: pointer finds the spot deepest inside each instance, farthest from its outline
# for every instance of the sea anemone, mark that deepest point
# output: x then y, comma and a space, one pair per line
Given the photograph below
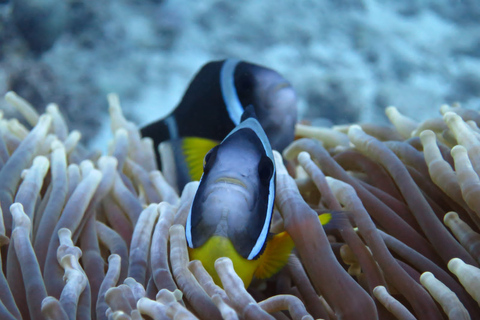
92, 236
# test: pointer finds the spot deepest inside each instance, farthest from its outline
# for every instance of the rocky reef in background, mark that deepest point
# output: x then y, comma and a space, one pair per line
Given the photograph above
347, 59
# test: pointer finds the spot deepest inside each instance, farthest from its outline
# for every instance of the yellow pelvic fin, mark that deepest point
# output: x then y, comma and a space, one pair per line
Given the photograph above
217, 247
275, 256
194, 149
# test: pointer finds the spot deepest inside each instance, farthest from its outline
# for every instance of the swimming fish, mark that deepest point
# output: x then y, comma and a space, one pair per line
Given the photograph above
214, 102
232, 210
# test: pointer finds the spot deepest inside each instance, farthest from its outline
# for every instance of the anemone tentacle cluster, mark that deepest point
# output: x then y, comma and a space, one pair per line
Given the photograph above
92, 236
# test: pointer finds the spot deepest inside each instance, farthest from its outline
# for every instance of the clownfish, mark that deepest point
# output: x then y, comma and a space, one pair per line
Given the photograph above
232, 209
212, 106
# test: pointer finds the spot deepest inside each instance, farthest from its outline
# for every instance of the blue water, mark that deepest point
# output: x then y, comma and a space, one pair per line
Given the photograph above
347, 59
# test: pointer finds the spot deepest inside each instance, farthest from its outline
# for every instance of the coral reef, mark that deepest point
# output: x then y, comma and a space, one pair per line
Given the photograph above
86, 235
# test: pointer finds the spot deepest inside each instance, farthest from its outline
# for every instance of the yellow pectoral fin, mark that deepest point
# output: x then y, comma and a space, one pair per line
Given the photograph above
218, 247
275, 256
194, 150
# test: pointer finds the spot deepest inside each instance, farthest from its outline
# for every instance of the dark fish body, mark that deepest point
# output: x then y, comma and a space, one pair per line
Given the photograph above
215, 100
234, 202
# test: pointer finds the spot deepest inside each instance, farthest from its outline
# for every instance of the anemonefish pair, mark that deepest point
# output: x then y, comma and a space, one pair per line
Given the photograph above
232, 209
213, 105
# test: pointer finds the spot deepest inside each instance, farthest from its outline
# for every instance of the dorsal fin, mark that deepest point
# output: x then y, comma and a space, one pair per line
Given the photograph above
248, 113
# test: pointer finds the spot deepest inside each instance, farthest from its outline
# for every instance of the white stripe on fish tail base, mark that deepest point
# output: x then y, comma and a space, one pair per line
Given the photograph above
229, 93
172, 127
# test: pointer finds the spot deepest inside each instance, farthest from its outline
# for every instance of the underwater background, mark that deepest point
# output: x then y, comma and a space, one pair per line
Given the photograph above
347, 59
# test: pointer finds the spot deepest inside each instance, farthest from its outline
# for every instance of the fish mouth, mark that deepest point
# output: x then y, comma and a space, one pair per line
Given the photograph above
231, 181
228, 187
280, 86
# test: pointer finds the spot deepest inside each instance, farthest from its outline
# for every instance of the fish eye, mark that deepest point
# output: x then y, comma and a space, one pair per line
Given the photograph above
265, 170
209, 159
